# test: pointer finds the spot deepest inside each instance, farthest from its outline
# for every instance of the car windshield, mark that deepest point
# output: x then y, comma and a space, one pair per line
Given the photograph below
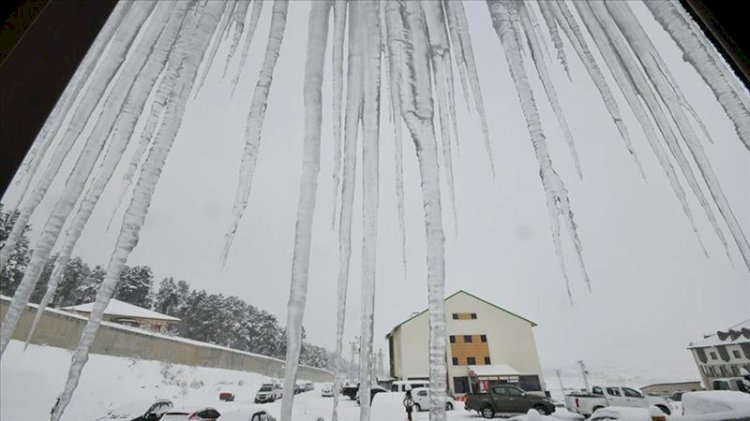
265, 388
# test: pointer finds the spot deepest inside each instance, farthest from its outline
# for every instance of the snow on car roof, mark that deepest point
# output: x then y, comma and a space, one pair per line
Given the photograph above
121, 308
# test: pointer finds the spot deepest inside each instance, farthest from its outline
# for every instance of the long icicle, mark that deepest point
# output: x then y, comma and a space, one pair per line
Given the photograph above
121, 134
567, 22
339, 28
675, 22
456, 8
417, 112
371, 50
653, 103
440, 60
628, 89
80, 173
110, 63
549, 87
226, 21
395, 41
557, 42
252, 24
255, 121
192, 45
352, 118
558, 204
239, 16
646, 53
63, 106
314, 65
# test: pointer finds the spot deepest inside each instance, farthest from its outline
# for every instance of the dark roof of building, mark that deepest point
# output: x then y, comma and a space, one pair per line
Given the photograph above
470, 295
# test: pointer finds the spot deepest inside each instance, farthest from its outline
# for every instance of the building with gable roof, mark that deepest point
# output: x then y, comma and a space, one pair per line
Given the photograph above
487, 344
723, 358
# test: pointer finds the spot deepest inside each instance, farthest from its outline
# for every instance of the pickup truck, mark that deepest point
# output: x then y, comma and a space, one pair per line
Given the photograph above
507, 399
586, 403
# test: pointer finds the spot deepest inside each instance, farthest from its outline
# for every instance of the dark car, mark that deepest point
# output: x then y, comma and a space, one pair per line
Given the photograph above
507, 399
155, 411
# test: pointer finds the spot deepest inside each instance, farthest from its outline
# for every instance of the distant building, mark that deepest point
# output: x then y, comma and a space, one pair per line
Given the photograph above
487, 345
667, 389
129, 315
723, 354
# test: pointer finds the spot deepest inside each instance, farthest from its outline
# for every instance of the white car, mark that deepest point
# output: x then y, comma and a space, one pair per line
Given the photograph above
327, 390
421, 396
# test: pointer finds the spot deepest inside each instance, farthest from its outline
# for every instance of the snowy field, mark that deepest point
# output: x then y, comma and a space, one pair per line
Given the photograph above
115, 388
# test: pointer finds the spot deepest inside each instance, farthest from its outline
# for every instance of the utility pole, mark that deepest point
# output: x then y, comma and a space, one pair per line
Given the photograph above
584, 373
559, 379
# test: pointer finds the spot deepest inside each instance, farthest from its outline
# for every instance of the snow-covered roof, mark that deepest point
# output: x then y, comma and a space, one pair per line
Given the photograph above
737, 334
494, 370
123, 309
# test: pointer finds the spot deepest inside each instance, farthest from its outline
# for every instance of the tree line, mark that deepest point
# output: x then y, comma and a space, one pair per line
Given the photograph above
214, 318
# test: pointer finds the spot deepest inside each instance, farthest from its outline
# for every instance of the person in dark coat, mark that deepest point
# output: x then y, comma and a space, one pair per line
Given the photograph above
408, 402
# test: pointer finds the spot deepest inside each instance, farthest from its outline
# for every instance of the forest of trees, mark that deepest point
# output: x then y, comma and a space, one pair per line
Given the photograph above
214, 318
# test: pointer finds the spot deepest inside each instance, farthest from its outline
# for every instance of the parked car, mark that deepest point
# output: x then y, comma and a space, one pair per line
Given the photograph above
374, 390
507, 399
421, 396
327, 390
309, 386
262, 416
603, 396
267, 393
400, 385
620, 413
155, 411
350, 391
192, 414
704, 403
297, 389
226, 396
729, 383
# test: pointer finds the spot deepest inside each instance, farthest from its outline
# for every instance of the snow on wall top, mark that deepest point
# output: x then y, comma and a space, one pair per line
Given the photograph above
737, 334
493, 370
121, 308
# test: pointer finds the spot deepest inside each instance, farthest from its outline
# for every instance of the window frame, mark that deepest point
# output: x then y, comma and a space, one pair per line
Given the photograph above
454, 360
473, 316
452, 339
483, 338
471, 361
487, 361
468, 339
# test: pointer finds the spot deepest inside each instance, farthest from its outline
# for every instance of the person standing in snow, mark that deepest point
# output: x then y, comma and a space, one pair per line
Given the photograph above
408, 402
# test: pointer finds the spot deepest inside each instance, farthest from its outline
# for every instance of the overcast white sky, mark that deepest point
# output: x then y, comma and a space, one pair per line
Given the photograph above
653, 290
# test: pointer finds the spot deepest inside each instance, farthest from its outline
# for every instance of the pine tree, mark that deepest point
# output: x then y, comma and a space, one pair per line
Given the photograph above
12, 273
135, 286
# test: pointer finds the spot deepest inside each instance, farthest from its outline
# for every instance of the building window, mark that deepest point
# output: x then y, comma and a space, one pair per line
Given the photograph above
453, 339
467, 339
724, 371
713, 355
483, 338
455, 361
736, 354
461, 384
455, 316
473, 316
471, 361
487, 361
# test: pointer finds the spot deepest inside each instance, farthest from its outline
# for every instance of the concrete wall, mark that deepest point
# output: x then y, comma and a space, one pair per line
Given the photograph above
62, 329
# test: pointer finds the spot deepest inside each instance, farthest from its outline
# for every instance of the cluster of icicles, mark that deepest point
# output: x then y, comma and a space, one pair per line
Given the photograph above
156, 49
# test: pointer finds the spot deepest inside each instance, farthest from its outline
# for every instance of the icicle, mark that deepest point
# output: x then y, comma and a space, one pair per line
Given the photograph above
192, 45
646, 53
226, 19
65, 103
82, 169
254, 16
558, 203
625, 83
121, 134
457, 49
395, 41
643, 87
438, 38
417, 112
673, 19
255, 121
549, 87
567, 22
339, 26
111, 62
353, 107
456, 8
370, 181
557, 42
239, 15
314, 65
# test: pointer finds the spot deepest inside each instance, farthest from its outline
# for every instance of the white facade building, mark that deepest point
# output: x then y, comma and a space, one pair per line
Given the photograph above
722, 355
486, 345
